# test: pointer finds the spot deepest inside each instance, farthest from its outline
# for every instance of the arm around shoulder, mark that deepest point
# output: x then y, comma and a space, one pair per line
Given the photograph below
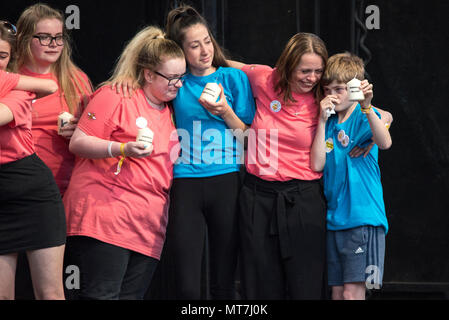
42, 87
235, 64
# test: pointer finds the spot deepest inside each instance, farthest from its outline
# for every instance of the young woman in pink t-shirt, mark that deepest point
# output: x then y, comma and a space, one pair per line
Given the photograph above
32, 216
117, 200
43, 51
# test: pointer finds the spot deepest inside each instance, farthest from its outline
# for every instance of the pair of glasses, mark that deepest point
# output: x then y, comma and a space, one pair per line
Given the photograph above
46, 40
9, 26
172, 81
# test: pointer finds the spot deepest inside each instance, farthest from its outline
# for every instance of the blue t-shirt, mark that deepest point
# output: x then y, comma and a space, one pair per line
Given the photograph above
352, 186
208, 146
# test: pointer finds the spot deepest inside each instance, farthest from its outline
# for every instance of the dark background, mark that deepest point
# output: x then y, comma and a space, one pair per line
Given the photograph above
406, 62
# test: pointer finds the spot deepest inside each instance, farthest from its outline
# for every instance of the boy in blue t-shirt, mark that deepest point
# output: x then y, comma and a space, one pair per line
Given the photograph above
356, 219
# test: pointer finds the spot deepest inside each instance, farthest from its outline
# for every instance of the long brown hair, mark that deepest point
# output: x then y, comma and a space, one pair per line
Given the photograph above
185, 16
74, 87
298, 45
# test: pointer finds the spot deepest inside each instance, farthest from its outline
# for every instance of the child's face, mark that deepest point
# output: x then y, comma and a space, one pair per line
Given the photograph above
340, 90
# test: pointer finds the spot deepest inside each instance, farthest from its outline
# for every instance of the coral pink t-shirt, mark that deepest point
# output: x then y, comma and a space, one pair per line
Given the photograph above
281, 135
129, 210
52, 148
8, 81
16, 141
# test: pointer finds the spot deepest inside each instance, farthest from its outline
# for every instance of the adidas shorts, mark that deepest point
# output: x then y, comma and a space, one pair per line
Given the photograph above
356, 255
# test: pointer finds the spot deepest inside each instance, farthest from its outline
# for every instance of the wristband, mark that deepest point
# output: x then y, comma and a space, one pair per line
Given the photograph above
110, 150
366, 110
120, 163
122, 150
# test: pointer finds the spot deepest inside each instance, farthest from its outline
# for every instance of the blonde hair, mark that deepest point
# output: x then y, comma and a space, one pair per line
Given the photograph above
74, 87
146, 50
342, 68
300, 44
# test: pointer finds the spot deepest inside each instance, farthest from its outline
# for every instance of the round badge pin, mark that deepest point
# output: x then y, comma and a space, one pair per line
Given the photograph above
275, 106
341, 135
329, 145
345, 141
141, 122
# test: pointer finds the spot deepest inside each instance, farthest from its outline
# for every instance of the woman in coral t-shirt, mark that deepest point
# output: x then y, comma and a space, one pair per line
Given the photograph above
44, 52
283, 211
117, 200
32, 216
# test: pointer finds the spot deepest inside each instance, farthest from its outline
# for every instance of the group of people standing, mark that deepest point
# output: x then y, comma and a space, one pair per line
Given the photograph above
112, 203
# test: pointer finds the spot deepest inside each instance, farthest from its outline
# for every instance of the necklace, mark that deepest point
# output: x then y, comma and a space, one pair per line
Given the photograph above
155, 106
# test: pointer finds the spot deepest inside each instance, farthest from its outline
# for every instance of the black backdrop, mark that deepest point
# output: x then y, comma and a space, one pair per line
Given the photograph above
408, 68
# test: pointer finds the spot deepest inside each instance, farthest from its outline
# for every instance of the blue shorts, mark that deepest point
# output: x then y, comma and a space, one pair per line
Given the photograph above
356, 255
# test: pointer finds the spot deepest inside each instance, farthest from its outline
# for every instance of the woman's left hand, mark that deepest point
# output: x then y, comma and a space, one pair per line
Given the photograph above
68, 130
359, 151
219, 108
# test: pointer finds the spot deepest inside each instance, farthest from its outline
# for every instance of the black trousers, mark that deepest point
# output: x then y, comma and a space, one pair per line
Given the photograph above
109, 272
282, 239
198, 204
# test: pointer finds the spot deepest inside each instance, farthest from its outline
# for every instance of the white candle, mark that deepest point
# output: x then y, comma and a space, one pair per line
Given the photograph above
211, 92
353, 87
145, 135
63, 120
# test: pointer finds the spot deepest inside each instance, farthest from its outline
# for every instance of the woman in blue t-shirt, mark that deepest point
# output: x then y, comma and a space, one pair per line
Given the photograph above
207, 182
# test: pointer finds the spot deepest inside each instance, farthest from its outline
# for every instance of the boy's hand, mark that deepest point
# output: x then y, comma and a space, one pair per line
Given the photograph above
327, 105
367, 89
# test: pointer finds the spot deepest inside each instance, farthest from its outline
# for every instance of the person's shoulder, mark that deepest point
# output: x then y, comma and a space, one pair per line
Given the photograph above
234, 74
258, 68
106, 94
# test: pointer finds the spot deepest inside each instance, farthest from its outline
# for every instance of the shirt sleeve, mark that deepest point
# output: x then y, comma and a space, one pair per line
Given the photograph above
19, 102
97, 120
244, 104
8, 81
365, 130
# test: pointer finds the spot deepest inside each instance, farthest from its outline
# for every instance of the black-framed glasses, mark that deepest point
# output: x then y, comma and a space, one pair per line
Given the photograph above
45, 39
173, 81
9, 26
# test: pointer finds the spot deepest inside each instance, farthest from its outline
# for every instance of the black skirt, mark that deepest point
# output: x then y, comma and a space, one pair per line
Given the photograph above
31, 211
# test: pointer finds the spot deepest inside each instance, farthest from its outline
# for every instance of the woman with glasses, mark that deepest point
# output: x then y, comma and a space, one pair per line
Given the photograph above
32, 218
117, 199
14, 81
43, 51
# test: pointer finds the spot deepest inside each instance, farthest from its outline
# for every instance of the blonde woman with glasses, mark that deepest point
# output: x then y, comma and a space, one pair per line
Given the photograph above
117, 200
